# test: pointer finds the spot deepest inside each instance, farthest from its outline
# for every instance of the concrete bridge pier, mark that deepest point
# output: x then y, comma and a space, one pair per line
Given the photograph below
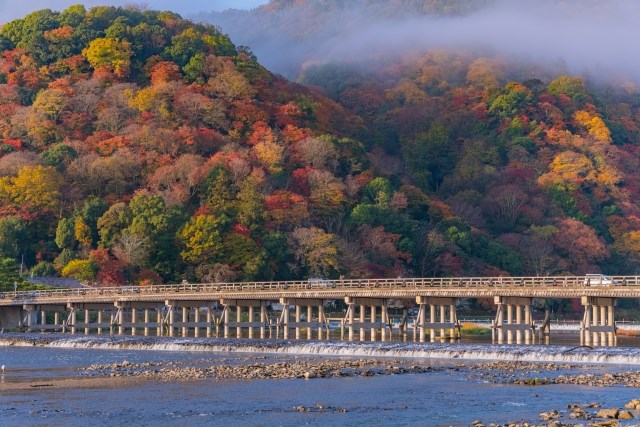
237, 305
317, 321
435, 306
183, 309
521, 323
135, 324
363, 324
84, 311
29, 317
598, 325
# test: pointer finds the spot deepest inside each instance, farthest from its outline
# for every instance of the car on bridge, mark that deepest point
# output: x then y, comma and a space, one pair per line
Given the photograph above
599, 279
320, 282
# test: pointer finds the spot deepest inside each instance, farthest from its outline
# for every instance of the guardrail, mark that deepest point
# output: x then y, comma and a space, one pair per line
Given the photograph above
346, 284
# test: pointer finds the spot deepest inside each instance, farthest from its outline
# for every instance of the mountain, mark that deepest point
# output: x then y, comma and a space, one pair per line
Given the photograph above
139, 147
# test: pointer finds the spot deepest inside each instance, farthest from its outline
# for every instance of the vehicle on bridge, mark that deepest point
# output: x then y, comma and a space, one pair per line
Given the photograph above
320, 282
599, 279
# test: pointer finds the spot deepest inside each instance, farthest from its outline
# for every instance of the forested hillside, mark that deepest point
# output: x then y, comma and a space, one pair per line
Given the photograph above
138, 147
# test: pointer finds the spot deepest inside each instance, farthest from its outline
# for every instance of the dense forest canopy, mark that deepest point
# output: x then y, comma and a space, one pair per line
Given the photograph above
138, 147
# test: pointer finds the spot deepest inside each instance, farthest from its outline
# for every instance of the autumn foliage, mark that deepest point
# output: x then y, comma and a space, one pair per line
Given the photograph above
137, 147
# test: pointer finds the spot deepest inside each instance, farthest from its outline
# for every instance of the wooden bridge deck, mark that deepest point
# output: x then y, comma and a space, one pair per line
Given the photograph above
457, 287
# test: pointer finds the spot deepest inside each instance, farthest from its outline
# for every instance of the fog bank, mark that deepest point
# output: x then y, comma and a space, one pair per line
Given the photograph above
596, 37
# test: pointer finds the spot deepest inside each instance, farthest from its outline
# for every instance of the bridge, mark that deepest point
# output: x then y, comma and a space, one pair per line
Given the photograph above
248, 308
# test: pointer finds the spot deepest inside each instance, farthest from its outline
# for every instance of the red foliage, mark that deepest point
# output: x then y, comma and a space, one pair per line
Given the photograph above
291, 134
300, 178
261, 132
100, 256
15, 144
147, 277
111, 273
165, 71
288, 115
242, 230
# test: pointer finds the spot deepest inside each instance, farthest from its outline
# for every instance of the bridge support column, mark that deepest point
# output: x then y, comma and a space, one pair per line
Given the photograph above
196, 320
437, 305
99, 322
598, 325
510, 324
134, 319
363, 317
27, 320
309, 323
86, 321
322, 322
297, 322
285, 321
71, 318
146, 322
363, 324
263, 319
226, 318
170, 313
250, 324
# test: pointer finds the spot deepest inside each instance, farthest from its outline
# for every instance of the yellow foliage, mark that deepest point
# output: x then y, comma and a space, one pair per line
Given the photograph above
594, 124
109, 52
36, 189
270, 155
82, 232
568, 171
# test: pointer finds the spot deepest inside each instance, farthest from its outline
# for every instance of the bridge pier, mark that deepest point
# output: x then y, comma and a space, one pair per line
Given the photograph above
185, 325
29, 317
598, 325
318, 321
363, 324
506, 306
74, 309
251, 324
437, 305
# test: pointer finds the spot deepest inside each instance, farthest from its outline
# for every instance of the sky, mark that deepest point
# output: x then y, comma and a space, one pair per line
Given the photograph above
12, 9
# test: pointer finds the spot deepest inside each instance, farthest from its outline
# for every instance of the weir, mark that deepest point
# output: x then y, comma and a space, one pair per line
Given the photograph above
249, 309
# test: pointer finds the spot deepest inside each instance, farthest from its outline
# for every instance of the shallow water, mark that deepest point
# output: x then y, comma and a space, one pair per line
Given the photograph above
450, 396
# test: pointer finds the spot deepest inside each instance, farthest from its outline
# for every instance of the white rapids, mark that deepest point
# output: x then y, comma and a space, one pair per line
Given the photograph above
529, 353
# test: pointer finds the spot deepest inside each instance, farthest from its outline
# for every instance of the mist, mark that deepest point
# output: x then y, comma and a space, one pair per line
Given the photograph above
14, 9
588, 37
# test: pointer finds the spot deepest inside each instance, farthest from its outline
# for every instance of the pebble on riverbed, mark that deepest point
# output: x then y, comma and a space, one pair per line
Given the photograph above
281, 370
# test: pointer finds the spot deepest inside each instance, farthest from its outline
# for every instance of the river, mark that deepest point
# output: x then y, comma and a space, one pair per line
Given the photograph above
454, 393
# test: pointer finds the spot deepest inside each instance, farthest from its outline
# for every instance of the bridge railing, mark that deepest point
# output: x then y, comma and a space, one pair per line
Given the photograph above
341, 284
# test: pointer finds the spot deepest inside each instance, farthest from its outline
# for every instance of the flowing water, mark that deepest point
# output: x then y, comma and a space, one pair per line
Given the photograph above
450, 395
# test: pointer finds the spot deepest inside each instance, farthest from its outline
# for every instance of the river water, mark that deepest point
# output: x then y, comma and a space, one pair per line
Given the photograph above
451, 395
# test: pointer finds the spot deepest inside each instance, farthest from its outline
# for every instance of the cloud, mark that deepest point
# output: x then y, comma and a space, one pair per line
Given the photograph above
598, 37
19, 8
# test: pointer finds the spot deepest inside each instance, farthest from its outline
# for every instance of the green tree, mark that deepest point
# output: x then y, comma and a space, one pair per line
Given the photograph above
13, 237
65, 233
10, 274
430, 157
43, 269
